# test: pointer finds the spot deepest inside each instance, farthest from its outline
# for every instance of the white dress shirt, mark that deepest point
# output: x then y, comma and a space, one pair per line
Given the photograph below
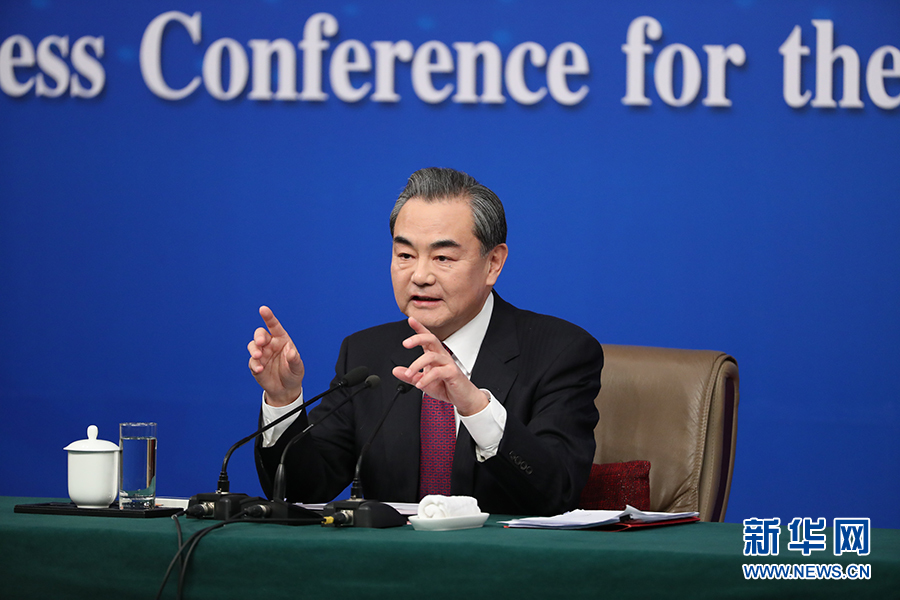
486, 427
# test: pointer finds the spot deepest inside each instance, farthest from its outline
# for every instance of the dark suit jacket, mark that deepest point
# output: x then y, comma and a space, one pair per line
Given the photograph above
546, 373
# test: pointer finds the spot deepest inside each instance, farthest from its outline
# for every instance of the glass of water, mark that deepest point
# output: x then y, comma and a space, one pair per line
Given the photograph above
137, 465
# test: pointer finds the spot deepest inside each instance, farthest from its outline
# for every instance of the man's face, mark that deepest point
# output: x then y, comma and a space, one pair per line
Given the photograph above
438, 272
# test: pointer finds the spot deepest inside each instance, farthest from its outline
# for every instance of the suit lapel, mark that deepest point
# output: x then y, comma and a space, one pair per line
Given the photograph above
494, 370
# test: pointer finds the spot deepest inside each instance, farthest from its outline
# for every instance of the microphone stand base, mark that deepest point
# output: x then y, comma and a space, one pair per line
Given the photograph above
287, 513
216, 505
365, 513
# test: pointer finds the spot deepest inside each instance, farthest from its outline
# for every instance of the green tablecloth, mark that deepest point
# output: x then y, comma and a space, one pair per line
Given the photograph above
52, 556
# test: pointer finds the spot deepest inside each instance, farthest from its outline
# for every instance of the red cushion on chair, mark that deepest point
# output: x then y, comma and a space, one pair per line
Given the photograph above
613, 485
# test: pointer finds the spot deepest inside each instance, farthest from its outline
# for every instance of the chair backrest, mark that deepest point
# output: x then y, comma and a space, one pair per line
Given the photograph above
678, 410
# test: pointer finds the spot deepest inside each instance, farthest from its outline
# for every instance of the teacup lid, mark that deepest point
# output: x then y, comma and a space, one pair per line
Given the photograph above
92, 444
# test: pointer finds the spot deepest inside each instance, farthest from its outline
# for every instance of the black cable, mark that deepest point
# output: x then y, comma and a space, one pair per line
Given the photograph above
187, 558
175, 559
179, 554
178, 530
191, 543
237, 519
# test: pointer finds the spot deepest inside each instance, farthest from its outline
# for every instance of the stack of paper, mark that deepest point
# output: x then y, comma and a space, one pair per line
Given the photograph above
586, 519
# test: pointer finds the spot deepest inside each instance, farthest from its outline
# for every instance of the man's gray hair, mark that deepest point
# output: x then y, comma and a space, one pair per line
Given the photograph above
435, 184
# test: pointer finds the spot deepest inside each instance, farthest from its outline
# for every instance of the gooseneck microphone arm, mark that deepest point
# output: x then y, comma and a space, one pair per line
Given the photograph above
356, 492
279, 485
353, 378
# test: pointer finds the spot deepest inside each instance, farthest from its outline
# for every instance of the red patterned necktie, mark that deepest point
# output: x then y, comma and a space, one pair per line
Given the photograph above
437, 432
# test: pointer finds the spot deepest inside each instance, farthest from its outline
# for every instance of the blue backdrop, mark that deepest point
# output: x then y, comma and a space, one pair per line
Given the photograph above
139, 234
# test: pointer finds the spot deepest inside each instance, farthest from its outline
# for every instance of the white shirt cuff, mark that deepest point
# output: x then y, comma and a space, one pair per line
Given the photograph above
270, 413
486, 427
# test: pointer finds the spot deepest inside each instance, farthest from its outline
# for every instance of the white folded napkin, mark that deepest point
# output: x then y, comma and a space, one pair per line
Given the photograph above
441, 507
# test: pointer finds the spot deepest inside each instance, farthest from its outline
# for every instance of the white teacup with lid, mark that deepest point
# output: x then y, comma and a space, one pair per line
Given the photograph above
93, 471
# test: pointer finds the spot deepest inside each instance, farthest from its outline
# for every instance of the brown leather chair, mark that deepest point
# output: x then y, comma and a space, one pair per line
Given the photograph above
678, 410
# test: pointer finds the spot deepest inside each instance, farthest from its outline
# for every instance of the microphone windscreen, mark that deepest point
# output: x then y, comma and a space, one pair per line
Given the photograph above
404, 387
355, 376
372, 381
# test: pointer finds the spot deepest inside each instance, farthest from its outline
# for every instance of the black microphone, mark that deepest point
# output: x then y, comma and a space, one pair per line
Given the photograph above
356, 492
221, 504
356, 511
353, 378
278, 488
278, 509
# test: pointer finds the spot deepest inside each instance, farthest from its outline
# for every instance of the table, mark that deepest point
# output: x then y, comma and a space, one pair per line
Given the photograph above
52, 556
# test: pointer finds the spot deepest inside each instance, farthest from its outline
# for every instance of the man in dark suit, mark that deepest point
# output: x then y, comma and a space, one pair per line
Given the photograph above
518, 387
